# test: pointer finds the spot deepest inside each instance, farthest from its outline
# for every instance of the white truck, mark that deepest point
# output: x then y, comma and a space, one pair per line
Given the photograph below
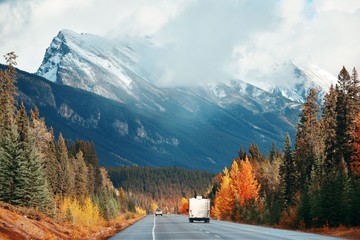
199, 209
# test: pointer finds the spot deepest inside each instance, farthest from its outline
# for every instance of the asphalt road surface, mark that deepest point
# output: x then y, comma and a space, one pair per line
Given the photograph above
178, 227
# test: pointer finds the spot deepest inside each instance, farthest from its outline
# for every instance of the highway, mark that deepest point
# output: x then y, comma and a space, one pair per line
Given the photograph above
178, 227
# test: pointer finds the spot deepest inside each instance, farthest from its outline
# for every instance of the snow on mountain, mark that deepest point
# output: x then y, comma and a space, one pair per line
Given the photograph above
293, 81
196, 118
238, 92
105, 67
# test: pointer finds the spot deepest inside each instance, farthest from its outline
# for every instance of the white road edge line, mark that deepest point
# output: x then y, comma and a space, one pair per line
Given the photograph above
153, 230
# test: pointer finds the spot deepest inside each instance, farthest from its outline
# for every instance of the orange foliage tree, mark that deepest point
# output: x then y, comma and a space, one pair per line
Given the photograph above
238, 186
355, 160
183, 209
224, 199
244, 184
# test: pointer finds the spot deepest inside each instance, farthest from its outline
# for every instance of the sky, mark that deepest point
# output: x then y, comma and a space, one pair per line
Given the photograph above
202, 39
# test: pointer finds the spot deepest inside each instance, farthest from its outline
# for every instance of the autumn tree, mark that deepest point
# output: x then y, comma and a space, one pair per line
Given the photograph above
81, 177
63, 173
244, 184
184, 206
224, 199
355, 159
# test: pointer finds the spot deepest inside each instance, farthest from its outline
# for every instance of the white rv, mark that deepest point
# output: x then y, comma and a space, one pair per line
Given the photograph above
199, 209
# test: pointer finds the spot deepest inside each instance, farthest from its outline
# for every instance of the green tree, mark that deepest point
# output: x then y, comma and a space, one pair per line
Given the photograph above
288, 174
347, 107
63, 173
10, 159
329, 125
309, 146
31, 189
81, 177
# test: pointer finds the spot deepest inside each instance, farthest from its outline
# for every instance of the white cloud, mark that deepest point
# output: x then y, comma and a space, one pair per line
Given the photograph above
27, 27
201, 40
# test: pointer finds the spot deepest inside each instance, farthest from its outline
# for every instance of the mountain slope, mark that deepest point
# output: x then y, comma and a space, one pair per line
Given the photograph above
292, 81
198, 127
193, 133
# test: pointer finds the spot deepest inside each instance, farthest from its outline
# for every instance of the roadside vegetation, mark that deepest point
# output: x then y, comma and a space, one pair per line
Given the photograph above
152, 188
60, 178
312, 184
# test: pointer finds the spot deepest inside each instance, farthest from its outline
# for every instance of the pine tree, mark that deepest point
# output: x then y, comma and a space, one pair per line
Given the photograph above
31, 189
329, 125
288, 174
11, 153
10, 159
335, 197
63, 173
242, 153
254, 153
81, 174
309, 146
273, 153
8, 89
346, 109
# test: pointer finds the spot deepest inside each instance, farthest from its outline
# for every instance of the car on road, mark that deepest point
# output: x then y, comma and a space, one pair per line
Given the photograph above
158, 212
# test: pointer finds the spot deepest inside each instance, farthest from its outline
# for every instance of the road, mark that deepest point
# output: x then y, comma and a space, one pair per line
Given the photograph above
178, 227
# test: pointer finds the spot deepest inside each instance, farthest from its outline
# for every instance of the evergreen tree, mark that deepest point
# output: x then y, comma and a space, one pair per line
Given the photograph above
309, 146
81, 174
8, 89
329, 125
11, 152
288, 174
10, 159
335, 192
242, 153
31, 189
254, 153
63, 173
346, 109
273, 153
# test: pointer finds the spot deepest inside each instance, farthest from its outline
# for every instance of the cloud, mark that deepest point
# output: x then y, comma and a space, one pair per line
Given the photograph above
27, 27
216, 40
325, 38
197, 45
198, 41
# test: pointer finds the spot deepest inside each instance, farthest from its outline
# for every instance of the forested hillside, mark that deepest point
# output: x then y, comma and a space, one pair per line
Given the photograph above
60, 178
164, 187
314, 183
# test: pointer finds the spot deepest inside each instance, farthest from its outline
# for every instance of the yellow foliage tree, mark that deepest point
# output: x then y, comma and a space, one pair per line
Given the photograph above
154, 206
86, 214
140, 211
244, 183
224, 199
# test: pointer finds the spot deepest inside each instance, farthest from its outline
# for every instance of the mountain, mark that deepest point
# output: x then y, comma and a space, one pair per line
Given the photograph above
198, 127
193, 132
293, 81
114, 69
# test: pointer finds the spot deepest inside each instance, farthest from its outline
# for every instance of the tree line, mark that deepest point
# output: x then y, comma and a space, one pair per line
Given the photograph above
314, 183
163, 186
61, 178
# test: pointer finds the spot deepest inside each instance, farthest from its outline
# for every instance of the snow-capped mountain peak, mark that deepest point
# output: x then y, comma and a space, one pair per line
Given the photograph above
293, 81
